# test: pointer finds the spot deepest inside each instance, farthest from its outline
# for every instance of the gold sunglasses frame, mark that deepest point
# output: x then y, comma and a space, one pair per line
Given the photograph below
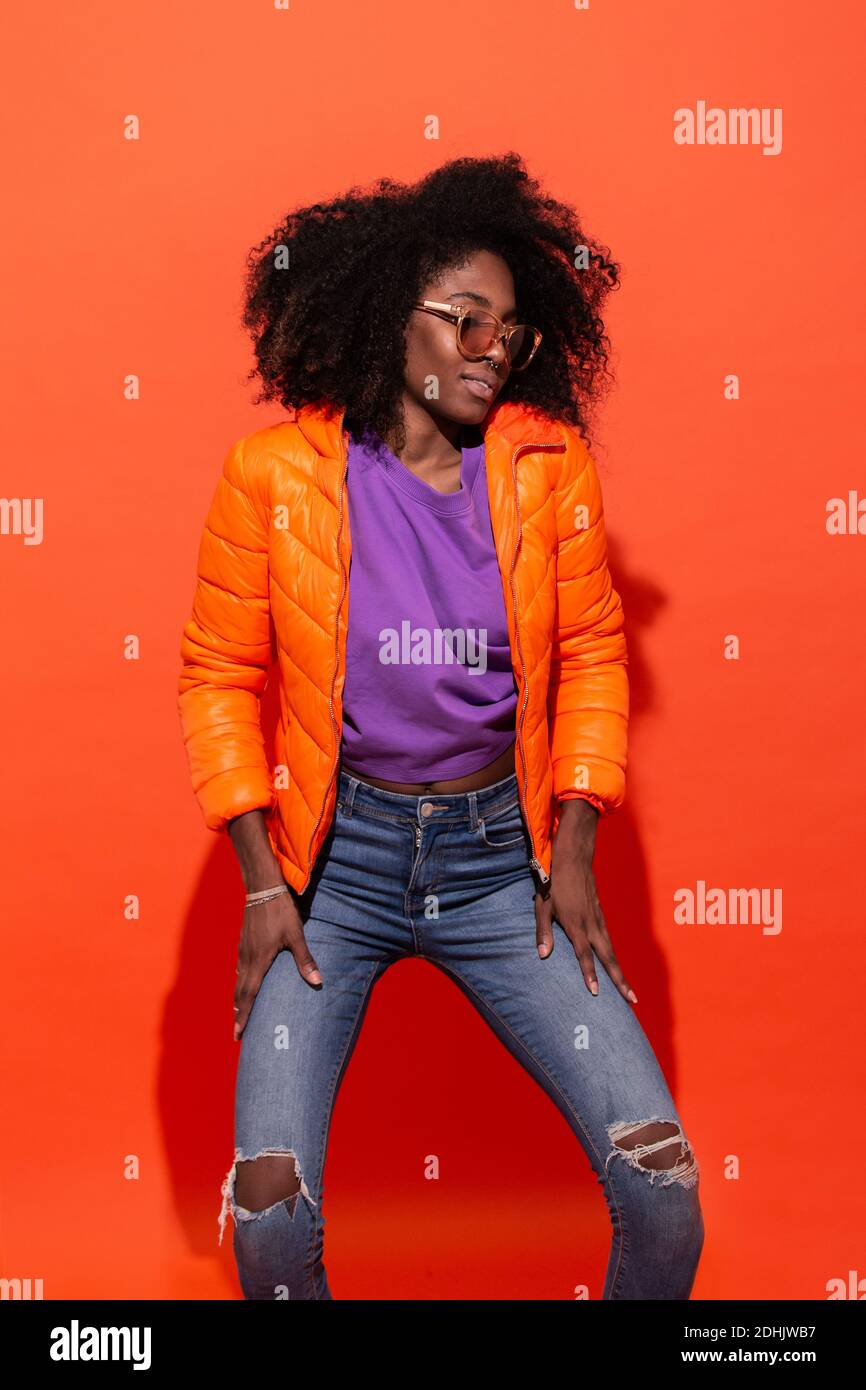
457, 315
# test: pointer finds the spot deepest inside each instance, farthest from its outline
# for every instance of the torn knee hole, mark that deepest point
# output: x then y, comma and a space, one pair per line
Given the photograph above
262, 1182
257, 1184
658, 1146
647, 1138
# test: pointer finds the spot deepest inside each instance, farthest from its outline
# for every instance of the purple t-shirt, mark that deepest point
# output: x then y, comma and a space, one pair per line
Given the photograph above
429, 691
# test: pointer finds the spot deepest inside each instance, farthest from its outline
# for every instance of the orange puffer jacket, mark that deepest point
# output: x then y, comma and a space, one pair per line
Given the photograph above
273, 583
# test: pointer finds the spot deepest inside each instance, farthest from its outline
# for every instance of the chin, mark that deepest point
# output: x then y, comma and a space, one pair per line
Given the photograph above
469, 411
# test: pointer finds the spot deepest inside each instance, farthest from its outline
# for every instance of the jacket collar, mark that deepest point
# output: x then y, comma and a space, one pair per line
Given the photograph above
507, 421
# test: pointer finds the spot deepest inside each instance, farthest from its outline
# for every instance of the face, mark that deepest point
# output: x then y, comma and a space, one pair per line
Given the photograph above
438, 377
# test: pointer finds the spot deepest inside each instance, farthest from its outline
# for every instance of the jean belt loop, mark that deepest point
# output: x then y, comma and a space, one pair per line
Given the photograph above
473, 810
350, 794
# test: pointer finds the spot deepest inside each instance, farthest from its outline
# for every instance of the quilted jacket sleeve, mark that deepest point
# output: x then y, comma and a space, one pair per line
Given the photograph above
226, 652
588, 695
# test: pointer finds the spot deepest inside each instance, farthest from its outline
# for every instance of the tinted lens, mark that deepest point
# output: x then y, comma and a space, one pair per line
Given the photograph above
520, 348
477, 332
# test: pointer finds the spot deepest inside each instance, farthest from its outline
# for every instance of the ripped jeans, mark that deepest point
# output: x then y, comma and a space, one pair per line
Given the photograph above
448, 878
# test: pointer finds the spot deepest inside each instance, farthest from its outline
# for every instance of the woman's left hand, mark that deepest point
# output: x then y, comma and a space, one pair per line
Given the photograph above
571, 899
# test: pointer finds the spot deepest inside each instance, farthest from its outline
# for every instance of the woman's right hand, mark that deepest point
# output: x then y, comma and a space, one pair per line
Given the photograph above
268, 928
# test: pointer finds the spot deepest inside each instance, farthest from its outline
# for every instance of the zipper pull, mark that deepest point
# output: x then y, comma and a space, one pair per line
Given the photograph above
545, 878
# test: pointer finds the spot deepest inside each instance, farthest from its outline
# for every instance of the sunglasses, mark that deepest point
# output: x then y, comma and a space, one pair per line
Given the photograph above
479, 331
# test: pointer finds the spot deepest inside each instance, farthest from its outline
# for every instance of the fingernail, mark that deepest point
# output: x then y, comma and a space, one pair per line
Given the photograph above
594, 987
632, 996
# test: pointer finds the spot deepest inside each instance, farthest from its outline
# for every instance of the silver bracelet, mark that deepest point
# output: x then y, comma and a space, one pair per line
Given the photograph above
266, 894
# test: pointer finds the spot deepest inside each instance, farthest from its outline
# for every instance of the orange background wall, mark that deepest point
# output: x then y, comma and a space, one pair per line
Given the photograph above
127, 257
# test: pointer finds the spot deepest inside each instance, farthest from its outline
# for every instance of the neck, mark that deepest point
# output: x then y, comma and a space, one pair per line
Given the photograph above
430, 441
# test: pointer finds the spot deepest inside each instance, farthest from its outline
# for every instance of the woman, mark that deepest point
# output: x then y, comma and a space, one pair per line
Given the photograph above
419, 542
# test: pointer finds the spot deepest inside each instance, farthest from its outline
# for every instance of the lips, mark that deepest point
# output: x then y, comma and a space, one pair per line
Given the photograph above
480, 386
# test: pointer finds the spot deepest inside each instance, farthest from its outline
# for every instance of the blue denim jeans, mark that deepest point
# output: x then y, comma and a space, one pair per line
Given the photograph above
448, 878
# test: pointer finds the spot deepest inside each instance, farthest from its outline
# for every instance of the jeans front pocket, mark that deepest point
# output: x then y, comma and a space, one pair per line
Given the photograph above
503, 828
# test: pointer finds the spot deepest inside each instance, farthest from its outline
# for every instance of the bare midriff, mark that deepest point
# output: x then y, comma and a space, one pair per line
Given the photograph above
497, 771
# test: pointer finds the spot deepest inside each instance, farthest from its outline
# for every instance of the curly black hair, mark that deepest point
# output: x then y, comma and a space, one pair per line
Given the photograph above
329, 292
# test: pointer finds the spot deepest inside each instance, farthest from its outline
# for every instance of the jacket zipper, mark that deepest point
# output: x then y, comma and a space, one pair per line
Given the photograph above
345, 459
545, 878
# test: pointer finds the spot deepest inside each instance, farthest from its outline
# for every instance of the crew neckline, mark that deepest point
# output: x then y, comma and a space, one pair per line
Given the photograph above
445, 503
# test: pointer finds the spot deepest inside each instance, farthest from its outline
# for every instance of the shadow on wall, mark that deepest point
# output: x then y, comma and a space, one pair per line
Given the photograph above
199, 1056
